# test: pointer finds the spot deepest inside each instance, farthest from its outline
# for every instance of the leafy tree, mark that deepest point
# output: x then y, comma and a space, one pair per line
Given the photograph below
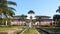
22, 18
5, 9
39, 19
56, 19
58, 24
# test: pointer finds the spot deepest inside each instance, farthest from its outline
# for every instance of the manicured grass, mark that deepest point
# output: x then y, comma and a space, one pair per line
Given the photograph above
30, 31
54, 29
6, 28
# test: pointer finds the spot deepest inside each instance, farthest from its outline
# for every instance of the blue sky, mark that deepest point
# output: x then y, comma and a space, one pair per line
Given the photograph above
40, 7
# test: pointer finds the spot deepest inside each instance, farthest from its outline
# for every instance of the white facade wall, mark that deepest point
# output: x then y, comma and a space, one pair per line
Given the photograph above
17, 22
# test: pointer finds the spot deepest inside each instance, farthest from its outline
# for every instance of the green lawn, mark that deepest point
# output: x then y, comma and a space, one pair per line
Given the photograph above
54, 29
30, 31
6, 28
25, 30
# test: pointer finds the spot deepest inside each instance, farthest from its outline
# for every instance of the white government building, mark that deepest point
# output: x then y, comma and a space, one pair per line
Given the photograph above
45, 20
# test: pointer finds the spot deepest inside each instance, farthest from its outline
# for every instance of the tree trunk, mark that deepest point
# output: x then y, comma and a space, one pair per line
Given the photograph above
6, 22
55, 22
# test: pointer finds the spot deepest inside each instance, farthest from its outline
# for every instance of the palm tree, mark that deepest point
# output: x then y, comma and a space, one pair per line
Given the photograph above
22, 18
39, 19
5, 9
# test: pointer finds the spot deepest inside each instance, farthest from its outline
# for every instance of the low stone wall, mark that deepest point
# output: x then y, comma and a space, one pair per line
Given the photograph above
47, 31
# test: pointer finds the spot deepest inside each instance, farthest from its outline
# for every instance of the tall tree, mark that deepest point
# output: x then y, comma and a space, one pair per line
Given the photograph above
56, 19
22, 18
5, 9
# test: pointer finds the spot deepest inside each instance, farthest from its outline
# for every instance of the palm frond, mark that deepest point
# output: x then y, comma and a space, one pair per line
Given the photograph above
3, 2
5, 9
11, 13
11, 3
8, 11
11, 8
